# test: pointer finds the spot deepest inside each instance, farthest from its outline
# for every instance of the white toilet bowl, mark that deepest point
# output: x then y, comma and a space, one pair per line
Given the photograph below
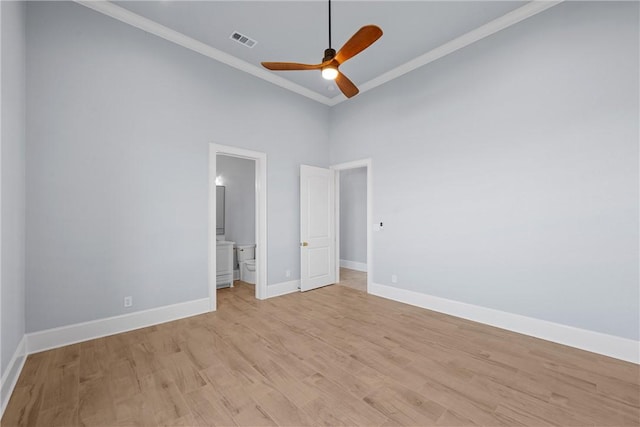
247, 263
248, 271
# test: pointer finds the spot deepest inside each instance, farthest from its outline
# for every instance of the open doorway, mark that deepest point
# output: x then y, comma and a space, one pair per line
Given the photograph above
353, 224
237, 219
353, 228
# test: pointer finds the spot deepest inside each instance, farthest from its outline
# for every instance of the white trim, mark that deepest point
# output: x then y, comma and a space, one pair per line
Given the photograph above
353, 265
211, 256
261, 225
12, 373
71, 334
1, 240
114, 11
530, 9
261, 215
2, 374
283, 288
152, 27
596, 342
336, 222
366, 163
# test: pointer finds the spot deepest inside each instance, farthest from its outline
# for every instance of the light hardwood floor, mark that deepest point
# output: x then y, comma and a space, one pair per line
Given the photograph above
353, 279
333, 356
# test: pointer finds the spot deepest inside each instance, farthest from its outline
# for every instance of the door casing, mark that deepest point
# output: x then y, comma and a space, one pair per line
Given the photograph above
366, 163
260, 216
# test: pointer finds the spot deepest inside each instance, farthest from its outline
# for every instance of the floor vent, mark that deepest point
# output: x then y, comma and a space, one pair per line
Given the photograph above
242, 39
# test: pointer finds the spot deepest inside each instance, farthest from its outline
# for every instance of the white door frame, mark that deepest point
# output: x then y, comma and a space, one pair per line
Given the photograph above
260, 216
364, 163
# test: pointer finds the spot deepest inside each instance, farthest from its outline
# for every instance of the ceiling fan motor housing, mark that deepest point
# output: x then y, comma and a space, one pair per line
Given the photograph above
362, 39
329, 54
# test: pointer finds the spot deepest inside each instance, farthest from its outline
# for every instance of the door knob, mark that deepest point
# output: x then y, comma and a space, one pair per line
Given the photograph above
304, 244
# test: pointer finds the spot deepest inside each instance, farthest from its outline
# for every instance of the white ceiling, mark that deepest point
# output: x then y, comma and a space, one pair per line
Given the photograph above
415, 32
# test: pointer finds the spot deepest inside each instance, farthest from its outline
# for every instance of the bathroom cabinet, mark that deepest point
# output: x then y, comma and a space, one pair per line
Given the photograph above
224, 264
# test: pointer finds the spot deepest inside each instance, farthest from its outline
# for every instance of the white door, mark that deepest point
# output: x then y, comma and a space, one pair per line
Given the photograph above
317, 227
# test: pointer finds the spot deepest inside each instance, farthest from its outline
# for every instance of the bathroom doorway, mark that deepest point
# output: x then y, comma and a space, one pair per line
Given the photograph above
236, 218
354, 224
239, 217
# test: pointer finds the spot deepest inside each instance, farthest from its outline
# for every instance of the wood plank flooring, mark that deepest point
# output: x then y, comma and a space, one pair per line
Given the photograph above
333, 356
353, 279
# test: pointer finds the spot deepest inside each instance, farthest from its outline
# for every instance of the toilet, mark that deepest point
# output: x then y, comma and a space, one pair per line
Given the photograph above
246, 255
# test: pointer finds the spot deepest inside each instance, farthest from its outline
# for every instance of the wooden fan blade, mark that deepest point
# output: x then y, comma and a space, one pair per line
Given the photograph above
346, 86
362, 39
290, 66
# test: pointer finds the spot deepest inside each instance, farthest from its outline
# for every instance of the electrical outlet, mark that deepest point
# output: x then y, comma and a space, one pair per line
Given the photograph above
394, 278
128, 301
287, 273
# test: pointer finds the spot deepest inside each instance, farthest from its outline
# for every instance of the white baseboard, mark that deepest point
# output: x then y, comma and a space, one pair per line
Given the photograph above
596, 342
71, 334
353, 265
283, 288
10, 376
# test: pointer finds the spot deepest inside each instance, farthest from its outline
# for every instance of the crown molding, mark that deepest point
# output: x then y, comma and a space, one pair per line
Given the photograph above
114, 11
121, 14
492, 27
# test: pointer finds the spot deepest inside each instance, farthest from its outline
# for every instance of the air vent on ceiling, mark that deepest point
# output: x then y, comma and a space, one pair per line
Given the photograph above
242, 39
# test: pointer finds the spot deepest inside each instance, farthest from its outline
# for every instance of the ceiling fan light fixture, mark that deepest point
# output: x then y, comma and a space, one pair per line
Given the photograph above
330, 72
362, 39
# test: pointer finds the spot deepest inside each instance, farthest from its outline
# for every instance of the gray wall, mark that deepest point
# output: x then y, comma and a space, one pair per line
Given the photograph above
119, 125
353, 215
507, 172
240, 198
13, 179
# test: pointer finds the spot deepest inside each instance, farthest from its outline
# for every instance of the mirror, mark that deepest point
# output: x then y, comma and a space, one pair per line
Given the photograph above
219, 209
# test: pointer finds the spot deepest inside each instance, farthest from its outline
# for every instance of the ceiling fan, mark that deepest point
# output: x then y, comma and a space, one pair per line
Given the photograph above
362, 39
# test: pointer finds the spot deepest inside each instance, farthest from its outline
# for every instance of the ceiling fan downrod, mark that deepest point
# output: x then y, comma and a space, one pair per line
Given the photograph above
362, 39
329, 24
330, 53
